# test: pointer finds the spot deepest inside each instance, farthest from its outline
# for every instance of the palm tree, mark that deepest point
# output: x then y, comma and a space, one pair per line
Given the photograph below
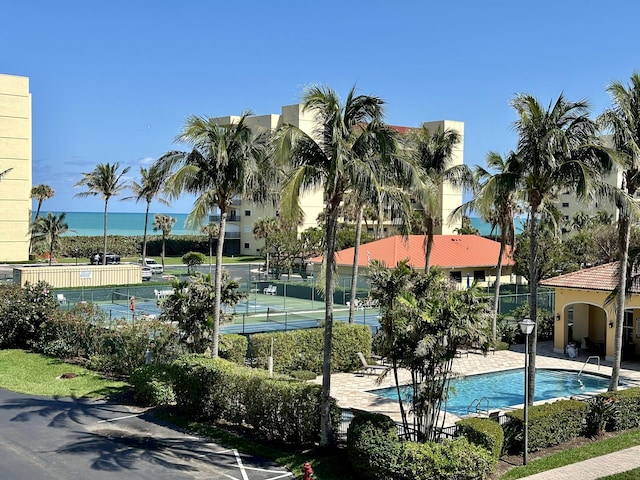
433, 153
149, 189
163, 223
623, 120
106, 181
4, 172
263, 229
556, 151
40, 192
496, 201
211, 230
227, 162
48, 230
336, 157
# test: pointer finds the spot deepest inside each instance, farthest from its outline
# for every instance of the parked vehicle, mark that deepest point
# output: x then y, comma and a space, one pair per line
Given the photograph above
112, 259
146, 274
152, 264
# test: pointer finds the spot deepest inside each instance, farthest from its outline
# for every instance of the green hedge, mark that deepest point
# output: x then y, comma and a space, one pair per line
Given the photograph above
376, 453
549, 424
450, 460
302, 349
484, 433
372, 446
153, 385
277, 408
131, 246
626, 413
233, 347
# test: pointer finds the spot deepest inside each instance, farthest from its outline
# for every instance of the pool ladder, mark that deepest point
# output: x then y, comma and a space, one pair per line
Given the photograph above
587, 361
476, 406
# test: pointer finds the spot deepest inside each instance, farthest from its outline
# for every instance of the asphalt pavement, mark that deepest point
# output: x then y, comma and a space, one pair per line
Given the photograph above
73, 439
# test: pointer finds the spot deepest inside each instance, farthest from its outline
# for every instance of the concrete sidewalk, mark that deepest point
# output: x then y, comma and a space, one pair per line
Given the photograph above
594, 468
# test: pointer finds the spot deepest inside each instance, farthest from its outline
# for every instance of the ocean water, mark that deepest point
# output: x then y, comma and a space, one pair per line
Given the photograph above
118, 223
132, 224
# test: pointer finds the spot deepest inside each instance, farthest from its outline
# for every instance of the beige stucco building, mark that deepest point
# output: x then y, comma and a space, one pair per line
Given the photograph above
584, 316
15, 154
244, 214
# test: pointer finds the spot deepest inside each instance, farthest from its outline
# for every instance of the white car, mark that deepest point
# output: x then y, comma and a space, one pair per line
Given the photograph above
146, 274
152, 264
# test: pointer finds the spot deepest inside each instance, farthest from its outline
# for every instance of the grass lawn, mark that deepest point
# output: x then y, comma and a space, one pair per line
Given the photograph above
36, 374
567, 457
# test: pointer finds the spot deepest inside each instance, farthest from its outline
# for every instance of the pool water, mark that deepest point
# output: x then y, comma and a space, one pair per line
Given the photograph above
506, 388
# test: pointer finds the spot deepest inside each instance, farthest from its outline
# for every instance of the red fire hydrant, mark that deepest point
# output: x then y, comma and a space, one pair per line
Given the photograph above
307, 471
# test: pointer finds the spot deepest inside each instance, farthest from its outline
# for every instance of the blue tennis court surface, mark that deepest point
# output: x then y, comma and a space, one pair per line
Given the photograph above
252, 316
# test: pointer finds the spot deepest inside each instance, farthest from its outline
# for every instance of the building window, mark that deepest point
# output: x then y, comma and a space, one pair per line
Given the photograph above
247, 213
478, 275
456, 276
565, 204
246, 245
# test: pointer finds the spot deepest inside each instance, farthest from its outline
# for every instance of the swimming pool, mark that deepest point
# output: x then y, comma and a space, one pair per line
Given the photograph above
506, 388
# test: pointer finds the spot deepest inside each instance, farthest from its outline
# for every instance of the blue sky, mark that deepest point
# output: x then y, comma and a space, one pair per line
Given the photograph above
113, 81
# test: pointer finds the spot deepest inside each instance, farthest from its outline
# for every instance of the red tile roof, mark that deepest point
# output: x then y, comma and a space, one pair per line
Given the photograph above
602, 277
449, 251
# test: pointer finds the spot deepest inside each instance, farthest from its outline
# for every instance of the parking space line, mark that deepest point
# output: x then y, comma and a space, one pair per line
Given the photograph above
120, 418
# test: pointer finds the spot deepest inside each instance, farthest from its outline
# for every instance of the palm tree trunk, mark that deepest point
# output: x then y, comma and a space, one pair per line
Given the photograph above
496, 293
354, 271
34, 221
429, 246
533, 302
164, 236
210, 254
104, 250
623, 245
218, 284
326, 430
144, 236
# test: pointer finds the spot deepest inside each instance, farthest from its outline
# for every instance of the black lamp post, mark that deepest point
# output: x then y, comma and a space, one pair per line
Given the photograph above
526, 327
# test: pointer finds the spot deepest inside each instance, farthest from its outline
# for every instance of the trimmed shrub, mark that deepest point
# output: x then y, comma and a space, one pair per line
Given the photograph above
153, 385
277, 408
627, 409
373, 446
450, 460
22, 311
233, 347
484, 433
549, 424
302, 349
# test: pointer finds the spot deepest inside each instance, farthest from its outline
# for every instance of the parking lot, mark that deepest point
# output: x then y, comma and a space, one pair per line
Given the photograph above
45, 438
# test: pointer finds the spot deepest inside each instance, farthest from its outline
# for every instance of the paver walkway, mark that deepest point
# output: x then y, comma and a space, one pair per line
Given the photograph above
594, 468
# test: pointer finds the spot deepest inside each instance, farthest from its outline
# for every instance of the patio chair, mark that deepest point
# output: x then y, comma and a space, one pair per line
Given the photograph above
370, 368
62, 300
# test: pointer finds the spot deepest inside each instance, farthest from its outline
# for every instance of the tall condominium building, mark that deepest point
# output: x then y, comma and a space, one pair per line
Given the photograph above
15, 156
244, 214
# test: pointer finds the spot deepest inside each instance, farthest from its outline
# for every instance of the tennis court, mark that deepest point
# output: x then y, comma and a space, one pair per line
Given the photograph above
258, 313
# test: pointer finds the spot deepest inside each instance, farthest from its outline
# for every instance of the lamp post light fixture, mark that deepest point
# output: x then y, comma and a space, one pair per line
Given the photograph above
526, 327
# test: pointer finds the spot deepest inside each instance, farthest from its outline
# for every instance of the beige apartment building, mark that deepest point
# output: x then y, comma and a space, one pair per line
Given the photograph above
244, 214
15, 154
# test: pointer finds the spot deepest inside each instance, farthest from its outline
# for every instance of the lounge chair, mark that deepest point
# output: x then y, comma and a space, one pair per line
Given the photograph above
369, 367
270, 290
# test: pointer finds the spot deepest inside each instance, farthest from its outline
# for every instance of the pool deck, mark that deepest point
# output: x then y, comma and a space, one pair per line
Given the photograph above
351, 389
